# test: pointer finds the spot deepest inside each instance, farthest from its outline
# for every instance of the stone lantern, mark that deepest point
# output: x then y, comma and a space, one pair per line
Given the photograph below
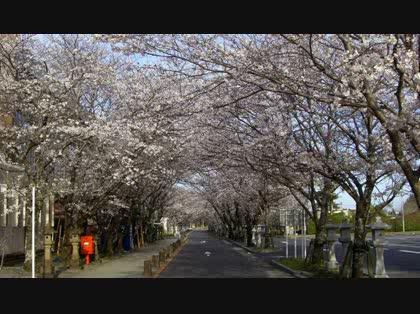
48, 268
75, 258
331, 263
378, 242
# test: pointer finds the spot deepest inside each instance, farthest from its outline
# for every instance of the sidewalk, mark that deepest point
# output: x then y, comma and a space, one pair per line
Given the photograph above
14, 272
128, 266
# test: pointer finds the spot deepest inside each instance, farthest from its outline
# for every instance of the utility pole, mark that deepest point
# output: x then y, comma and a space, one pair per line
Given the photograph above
33, 232
304, 234
294, 229
285, 231
403, 218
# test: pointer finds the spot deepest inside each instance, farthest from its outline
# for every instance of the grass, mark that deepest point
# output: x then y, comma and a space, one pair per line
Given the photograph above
317, 271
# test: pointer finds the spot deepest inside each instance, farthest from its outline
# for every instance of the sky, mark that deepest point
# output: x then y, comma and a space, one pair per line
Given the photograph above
347, 202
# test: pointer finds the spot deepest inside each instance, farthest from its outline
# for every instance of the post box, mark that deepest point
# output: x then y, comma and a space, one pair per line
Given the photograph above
87, 246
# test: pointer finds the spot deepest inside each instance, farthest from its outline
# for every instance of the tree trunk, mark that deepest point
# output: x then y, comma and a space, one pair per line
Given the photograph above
318, 248
249, 236
359, 244
109, 250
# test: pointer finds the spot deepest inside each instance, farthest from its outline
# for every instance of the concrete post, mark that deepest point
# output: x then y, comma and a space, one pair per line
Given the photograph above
75, 257
331, 263
378, 243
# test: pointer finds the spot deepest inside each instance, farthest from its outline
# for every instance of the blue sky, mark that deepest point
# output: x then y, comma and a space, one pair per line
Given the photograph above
347, 202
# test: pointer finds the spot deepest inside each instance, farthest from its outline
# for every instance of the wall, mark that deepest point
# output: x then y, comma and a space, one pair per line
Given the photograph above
15, 239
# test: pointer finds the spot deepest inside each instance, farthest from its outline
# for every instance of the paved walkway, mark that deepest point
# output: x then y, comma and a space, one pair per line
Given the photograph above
205, 256
14, 272
128, 266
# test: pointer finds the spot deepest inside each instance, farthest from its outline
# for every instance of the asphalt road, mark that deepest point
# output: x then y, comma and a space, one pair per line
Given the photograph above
205, 256
401, 254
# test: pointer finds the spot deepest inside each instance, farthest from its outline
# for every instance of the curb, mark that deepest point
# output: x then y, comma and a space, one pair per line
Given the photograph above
161, 269
297, 274
274, 263
240, 245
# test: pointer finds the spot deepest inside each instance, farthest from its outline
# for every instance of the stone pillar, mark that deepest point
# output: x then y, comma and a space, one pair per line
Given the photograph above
345, 236
261, 229
48, 267
378, 243
345, 240
254, 236
331, 263
75, 258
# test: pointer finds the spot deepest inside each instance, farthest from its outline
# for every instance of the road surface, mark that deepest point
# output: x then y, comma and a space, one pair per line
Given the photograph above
205, 256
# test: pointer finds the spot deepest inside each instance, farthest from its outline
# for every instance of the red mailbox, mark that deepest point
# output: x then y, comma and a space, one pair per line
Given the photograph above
87, 246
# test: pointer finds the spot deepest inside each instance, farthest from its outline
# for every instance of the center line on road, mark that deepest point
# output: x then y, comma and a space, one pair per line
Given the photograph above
413, 252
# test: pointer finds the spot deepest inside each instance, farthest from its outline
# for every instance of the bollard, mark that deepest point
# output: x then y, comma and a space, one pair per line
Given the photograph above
331, 263
378, 244
147, 268
162, 258
155, 261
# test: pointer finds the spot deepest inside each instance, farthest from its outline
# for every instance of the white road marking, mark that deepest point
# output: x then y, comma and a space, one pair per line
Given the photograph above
403, 245
207, 253
406, 251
